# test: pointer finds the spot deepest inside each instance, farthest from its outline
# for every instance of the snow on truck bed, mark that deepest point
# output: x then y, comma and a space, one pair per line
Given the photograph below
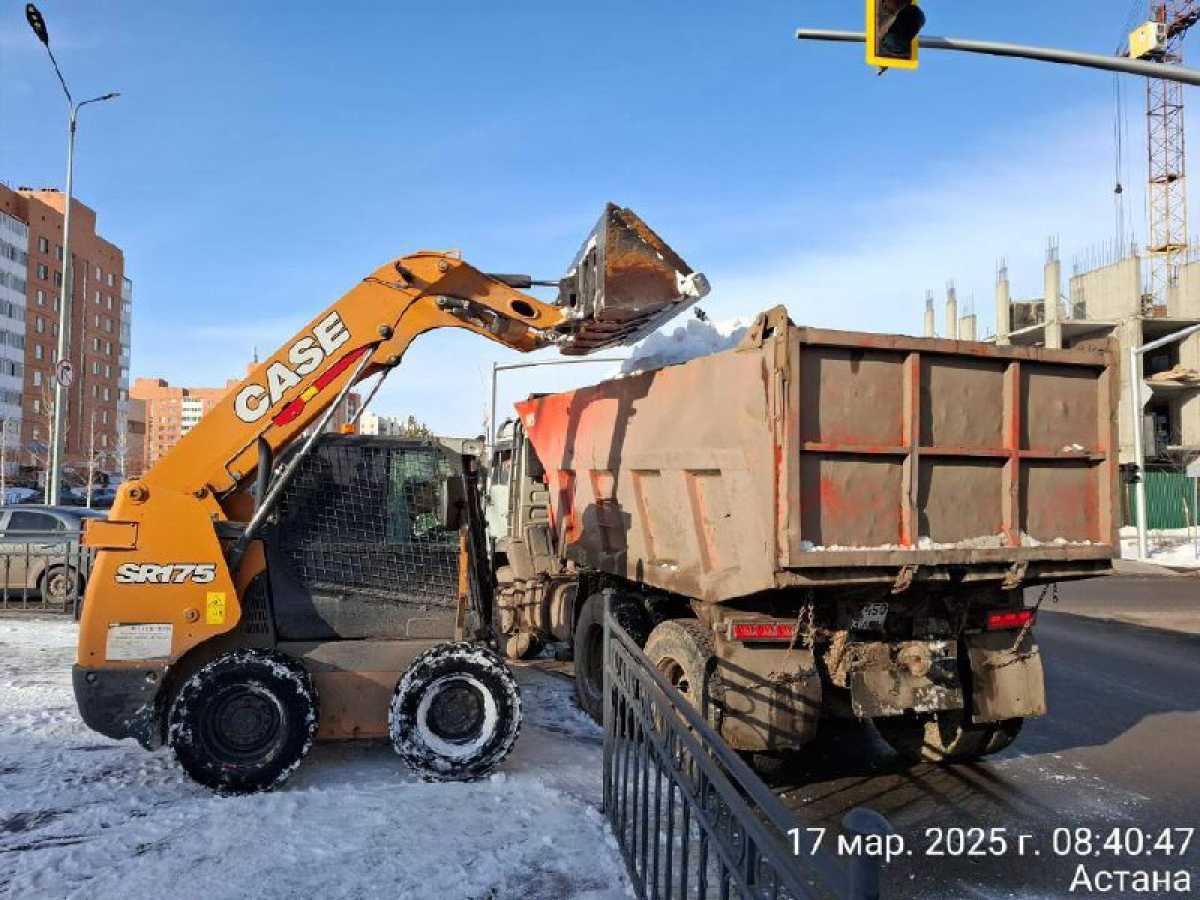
85, 816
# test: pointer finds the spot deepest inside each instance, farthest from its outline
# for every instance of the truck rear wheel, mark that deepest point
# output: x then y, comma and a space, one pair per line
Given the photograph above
944, 737
456, 713
589, 646
682, 651
243, 722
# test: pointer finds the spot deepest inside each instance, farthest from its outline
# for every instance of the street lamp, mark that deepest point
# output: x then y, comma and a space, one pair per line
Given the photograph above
61, 374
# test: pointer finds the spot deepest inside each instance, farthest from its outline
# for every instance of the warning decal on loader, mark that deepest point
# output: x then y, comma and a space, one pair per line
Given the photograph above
215, 609
127, 642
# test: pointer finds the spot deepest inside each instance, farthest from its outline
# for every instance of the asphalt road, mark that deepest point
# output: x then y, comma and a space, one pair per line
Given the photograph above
1120, 749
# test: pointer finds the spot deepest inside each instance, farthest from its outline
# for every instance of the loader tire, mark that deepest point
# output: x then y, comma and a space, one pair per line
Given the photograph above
456, 713
589, 646
943, 738
243, 722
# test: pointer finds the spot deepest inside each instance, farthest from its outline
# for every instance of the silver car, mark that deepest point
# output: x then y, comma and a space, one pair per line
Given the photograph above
40, 553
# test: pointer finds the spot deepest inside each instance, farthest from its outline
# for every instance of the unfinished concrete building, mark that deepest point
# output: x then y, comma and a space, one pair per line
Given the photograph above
1107, 297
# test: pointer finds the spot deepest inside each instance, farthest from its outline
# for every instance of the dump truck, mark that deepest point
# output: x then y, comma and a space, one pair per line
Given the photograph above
266, 584
815, 524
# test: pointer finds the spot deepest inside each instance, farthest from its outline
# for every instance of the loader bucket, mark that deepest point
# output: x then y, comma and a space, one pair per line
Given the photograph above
623, 284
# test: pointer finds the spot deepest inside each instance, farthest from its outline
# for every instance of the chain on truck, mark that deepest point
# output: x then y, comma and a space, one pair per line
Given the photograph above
813, 525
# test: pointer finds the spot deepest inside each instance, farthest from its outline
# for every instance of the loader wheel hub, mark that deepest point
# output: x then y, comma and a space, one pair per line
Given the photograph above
244, 722
456, 712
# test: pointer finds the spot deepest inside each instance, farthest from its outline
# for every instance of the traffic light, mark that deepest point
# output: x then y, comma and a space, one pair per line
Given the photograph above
892, 29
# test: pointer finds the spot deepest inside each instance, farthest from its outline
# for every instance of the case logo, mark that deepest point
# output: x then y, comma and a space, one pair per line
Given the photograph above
255, 400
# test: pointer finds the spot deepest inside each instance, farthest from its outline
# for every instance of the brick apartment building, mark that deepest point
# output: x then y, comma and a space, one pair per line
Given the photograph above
171, 412
31, 274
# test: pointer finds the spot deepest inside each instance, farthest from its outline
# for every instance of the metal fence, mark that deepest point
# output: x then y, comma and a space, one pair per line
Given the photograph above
43, 571
691, 818
1171, 501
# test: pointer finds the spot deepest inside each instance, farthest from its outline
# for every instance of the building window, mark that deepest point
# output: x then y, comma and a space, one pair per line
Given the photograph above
110, 301
43, 272
54, 329
37, 378
37, 405
108, 371
104, 437
108, 348
107, 396
43, 245
96, 298
41, 297
40, 325
104, 415
97, 273
58, 304
38, 352
95, 391
57, 278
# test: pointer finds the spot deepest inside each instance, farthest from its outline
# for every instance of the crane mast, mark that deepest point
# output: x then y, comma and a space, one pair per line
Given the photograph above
1167, 190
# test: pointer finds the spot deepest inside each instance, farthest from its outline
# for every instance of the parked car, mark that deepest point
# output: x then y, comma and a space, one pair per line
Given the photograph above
40, 553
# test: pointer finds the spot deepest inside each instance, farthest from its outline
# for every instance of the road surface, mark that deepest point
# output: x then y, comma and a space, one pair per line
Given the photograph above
1119, 749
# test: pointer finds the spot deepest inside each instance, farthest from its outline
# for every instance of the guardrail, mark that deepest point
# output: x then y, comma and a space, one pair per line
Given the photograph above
690, 816
43, 571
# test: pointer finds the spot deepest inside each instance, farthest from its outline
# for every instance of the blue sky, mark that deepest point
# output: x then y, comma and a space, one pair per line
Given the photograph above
264, 157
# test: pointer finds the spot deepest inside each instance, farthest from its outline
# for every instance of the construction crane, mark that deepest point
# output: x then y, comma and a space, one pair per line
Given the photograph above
1161, 39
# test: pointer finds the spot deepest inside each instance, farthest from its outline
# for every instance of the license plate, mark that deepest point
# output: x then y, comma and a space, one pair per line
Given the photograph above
870, 617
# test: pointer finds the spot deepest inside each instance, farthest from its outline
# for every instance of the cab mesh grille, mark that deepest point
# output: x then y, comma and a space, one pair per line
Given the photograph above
361, 518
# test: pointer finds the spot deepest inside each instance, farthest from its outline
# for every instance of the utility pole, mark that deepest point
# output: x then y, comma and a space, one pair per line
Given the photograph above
4, 461
53, 474
91, 457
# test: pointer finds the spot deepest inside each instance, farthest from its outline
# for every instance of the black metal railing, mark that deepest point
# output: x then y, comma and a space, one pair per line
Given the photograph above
690, 816
43, 571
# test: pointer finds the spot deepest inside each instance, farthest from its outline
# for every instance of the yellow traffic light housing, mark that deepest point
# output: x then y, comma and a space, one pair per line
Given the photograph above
892, 29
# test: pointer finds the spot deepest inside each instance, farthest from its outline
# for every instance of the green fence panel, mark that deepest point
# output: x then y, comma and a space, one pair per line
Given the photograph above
1170, 501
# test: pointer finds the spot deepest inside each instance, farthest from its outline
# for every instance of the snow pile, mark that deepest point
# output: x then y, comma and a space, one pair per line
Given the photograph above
983, 542
85, 816
1178, 547
690, 341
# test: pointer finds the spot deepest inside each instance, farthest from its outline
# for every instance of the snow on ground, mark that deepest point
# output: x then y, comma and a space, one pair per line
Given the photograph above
85, 816
1167, 546
689, 341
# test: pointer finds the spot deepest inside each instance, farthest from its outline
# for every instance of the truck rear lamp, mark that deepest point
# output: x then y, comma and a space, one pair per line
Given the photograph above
762, 631
1002, 621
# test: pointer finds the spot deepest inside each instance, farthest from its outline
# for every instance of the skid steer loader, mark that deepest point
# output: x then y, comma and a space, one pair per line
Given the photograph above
266, 584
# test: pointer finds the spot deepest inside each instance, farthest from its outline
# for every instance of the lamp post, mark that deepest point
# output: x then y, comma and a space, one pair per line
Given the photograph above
54, 462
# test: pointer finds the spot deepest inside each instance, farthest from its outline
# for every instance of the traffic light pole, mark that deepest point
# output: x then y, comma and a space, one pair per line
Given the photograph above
1122, 64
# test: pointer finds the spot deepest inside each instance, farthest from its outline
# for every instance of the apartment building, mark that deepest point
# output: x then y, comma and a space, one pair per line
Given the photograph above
31, 276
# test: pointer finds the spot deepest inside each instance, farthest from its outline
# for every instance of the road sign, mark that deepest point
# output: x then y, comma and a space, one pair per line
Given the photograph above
64, 372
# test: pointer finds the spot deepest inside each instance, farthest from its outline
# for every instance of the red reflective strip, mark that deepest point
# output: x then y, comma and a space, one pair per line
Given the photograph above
999, 621
338, 368
289, 412
295, 407
767, 631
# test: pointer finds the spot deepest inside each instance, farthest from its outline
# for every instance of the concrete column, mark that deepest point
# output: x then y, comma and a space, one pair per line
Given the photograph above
1053, 286
951, 312
1003, 306
929, 329
966, 327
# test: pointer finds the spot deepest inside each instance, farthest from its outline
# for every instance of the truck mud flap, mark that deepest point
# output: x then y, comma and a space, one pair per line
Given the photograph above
769, 698
917, 676
1006, 676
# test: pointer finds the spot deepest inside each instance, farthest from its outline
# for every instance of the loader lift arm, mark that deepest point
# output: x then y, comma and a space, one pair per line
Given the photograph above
178, 549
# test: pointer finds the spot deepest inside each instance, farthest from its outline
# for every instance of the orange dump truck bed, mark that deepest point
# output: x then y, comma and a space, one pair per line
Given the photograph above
813, 457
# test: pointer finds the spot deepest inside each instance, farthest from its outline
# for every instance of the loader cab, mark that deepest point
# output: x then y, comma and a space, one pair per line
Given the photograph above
360, 547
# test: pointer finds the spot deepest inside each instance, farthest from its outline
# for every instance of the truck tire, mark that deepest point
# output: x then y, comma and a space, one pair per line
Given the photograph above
243, 722
924, 738
57, 584
589, 646
521, 645
1003, 734
456, 713
682, 651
